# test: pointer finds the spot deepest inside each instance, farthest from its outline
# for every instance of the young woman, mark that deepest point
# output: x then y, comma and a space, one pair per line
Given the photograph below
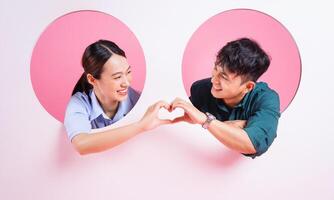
103, 96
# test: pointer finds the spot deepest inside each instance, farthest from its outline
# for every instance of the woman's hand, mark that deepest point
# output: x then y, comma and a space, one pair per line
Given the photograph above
150, 120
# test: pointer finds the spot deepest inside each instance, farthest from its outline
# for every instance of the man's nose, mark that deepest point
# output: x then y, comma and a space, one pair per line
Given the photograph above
214, 78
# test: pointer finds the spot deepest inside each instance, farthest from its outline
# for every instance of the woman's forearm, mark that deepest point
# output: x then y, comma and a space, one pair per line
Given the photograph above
92, 143
96, 142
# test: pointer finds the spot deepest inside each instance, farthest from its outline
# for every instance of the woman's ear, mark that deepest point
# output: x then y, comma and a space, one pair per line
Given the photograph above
91, 80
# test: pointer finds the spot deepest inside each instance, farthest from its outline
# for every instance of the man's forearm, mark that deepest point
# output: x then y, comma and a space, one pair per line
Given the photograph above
231, 136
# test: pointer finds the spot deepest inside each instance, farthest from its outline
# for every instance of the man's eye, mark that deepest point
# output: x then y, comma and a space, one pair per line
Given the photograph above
118, 77
223, 77
129, 72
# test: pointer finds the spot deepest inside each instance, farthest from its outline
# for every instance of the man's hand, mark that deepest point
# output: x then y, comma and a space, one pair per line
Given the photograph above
191, 114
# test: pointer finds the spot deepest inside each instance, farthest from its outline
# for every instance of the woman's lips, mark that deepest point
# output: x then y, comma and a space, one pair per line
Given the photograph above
123, 91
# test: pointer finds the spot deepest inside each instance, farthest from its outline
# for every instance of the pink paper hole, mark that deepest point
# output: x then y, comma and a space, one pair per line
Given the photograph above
56, 59
284, 72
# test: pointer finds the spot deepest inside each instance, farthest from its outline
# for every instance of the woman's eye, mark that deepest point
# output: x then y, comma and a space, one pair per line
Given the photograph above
129, 72
118, 77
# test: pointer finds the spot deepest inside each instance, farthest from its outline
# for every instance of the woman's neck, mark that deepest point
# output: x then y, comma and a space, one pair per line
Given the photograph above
109, 107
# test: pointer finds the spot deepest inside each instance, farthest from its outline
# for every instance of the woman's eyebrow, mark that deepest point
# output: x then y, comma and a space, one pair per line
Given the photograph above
117, 73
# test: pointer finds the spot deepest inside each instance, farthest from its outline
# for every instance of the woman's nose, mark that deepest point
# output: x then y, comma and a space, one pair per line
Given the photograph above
125, 82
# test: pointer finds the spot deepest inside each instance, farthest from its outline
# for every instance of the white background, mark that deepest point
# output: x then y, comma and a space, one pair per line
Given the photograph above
174, 162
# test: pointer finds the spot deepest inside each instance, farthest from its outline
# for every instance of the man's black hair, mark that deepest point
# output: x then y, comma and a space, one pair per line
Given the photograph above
243, 57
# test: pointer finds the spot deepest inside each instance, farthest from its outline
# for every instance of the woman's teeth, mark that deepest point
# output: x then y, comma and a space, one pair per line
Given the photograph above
123, 92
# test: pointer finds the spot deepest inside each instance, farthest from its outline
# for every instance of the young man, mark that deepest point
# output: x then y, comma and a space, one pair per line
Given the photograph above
240, 112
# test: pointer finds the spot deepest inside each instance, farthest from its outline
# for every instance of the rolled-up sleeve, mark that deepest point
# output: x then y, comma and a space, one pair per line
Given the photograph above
76, 118
262, 124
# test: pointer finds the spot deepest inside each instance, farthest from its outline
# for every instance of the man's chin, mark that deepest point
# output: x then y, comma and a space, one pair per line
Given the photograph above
215, 94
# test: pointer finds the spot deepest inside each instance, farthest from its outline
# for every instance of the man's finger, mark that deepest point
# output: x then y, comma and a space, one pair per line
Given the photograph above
179, 119
179, 105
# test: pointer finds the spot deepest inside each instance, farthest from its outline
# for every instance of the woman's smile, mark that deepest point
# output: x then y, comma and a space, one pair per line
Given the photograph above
123, 92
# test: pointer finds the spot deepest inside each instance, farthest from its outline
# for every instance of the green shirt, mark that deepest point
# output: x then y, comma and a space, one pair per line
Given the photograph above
260, 108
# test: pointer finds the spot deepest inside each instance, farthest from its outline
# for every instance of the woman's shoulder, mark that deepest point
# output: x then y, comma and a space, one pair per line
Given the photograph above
81, 97
79, 101
134, 95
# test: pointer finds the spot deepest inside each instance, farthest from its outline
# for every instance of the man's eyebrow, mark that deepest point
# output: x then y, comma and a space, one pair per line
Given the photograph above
117, 73
223, 73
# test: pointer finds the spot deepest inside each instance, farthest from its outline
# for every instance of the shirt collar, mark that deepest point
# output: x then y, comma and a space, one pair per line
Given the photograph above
122, 109
241, 104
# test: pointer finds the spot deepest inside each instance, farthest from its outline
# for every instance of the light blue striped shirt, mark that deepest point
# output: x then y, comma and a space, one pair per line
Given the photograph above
84, 112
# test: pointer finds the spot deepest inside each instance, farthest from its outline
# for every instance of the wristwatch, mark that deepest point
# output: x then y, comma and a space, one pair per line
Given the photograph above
209, 119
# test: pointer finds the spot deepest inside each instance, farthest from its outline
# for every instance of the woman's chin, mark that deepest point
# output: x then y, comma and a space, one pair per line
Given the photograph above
121, 97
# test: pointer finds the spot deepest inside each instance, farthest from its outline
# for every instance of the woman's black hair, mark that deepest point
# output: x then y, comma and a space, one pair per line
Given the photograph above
93, 60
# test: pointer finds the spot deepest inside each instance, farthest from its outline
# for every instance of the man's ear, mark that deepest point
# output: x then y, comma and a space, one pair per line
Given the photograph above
249, 86
91, 80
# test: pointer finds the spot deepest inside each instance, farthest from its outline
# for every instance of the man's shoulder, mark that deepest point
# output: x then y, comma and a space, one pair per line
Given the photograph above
264, 89
200, 94
263, 94
201, 86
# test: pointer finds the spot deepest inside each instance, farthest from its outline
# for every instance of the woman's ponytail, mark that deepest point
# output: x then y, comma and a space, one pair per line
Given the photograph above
82, 85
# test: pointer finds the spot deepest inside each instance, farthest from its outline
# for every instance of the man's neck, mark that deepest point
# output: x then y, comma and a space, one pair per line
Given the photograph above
231, 103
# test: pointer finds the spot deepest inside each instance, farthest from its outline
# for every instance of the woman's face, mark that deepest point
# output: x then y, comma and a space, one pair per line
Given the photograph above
115, 79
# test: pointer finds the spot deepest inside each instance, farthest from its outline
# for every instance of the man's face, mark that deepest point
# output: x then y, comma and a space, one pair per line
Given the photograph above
227, 86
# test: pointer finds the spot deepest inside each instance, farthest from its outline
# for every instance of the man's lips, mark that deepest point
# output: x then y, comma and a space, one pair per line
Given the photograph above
216, 88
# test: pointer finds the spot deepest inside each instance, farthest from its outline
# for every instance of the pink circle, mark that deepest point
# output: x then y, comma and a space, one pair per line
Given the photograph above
56, 59
284, 71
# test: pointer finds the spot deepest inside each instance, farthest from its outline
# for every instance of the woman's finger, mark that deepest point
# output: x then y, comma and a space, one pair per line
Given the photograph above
161, 104
165, 121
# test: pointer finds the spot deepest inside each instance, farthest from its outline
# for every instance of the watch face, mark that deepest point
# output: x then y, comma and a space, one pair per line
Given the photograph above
208, 120
210, 116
